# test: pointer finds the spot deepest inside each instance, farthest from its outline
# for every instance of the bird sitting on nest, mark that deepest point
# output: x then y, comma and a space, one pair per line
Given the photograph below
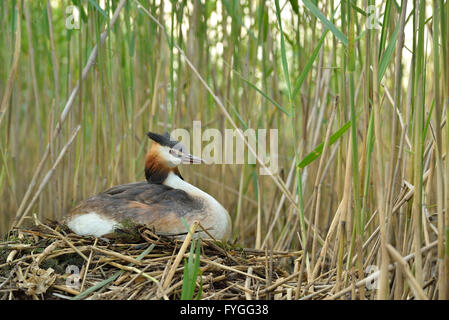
160, 202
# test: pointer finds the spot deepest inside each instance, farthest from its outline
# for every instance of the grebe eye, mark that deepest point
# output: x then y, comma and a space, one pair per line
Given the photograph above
175, 153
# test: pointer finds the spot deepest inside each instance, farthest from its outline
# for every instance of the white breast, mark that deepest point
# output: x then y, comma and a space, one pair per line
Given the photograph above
91, 224
222, 221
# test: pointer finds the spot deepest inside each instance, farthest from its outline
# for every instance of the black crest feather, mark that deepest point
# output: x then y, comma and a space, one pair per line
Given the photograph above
163, 139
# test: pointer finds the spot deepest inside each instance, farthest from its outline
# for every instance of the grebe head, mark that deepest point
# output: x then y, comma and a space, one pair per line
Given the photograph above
164, 156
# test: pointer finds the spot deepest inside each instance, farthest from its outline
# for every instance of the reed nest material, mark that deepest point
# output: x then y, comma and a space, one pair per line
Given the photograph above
48, 261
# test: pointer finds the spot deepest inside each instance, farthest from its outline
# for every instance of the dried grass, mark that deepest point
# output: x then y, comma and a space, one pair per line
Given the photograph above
48, 261
38, 263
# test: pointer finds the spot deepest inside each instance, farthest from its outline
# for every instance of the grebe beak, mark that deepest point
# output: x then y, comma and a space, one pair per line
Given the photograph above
186, 158
190, 159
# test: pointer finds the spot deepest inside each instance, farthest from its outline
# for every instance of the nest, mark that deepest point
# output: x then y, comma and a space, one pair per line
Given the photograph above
48, 261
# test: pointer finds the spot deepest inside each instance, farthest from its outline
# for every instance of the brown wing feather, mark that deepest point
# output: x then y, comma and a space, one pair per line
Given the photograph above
155, 205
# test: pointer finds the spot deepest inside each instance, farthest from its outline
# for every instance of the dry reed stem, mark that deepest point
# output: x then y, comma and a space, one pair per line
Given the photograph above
49, 174
180, 255
375, 275
417, 290
87, 265
118, 255
65, 240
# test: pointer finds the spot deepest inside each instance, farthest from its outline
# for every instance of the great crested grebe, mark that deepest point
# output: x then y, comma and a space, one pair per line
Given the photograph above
160, 202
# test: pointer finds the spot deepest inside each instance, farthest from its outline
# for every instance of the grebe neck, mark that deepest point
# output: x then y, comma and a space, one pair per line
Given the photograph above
176, 182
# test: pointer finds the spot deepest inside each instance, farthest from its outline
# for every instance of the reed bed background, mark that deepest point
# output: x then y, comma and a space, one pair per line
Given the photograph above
359, 101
